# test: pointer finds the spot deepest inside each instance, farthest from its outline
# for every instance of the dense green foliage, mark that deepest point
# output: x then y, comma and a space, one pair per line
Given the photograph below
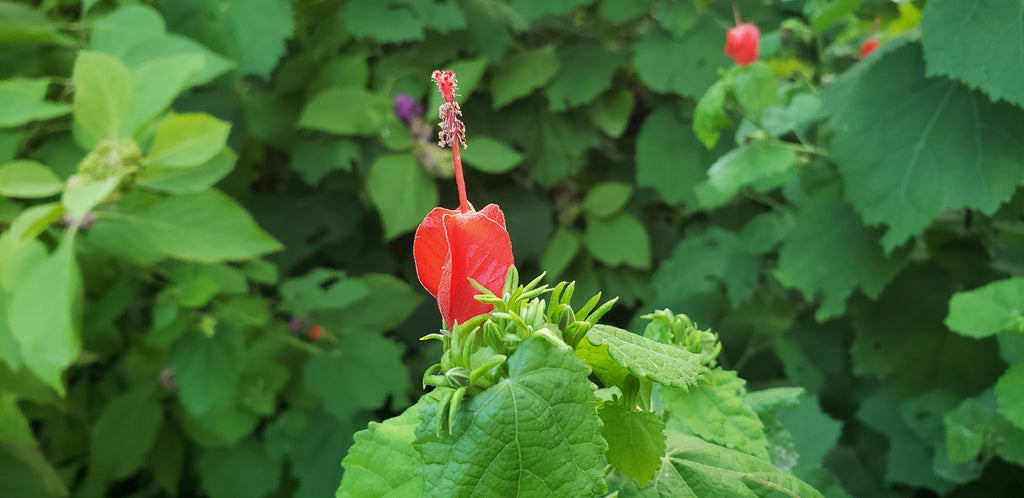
187, 187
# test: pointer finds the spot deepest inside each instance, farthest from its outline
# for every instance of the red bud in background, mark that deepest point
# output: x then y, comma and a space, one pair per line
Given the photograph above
868, 46
742, 43
316, 332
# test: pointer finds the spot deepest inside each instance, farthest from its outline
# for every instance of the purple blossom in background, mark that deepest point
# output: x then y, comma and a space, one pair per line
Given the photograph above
407, 109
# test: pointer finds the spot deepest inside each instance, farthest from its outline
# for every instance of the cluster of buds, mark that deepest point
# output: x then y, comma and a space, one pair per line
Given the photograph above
669, 328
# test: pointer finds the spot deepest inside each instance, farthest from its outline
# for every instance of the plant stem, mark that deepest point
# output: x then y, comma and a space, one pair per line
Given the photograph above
460, 181
736, 12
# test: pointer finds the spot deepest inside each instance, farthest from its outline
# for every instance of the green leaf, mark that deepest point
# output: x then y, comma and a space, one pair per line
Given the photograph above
125, 433
206, 226
400, 20
988, 310
372, 369
125, 27
618, 240
712, 470
207, 368
82, 195
636, 441
43, 312
315, 159
534, 10
976, 44
710, 117
28, 180
241, 470
814, 432
187, 180
158, 82
350, 111
535, 433
214, 64
667, 365
611, 112
743, 166
25, 472
320, 290
714, 411
754, 87
1008, 389
830, 14
686, 66
14, 427
102, 105
522, 73
619, 11
938, 150
402, 191
606, 199
974, 426
699, 266
20, 23
585, 70
562, 249
251, 32
490, 156
186, 140
669, 158
827, 225
24, 100
383, 462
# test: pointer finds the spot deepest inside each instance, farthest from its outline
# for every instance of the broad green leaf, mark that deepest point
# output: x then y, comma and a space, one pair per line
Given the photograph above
939, 148
975, 426
1008, 395
606, 199
251, 32
490, 156
350, 111
814, 432
402, 191
187, 180
536, 433
226, 423
669, 158
698, 266
186, 140
207, 368
207, 226
373, 372
21, 23
556, 143
611, 112
125, 27
25, 472
667, 483
29, 180
388, 304
158, 82
383, 462
214, 64
102, 102
315, 159
710, 117
522, 73
24, 100
562, 249
755, 88
125, 433
320, 290
585, 70
643, 357
533, 10
400, 20
978, 44
636, 441
827, 225
82, 195
988, 310
241, 470
743, 166
42, 314
714, 411
618, 240
686, 66
712, 470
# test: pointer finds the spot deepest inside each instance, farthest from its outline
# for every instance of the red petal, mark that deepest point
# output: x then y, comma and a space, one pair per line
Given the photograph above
479, 249
430, 248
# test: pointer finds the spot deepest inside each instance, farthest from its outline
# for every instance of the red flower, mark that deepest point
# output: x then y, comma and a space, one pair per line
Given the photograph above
452, 246
868, 46
741, 43
316, 332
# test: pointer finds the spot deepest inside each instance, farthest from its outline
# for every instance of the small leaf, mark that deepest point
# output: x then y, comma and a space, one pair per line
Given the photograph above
522, 73
490, 156
669, 158
710, 117
1008, 390
585, 70
81, 197
28, 180
611, 112
125, 433
124, 28
402, 191
24, 100
350, 111
686, 66
755, 88
606, 199
240, 470
373, 372
667, 365
214, 64
102, 105
186, 140
158, 82
636, 441
988, 310
560, 252
207, 369
743, 166
621, 239
187, 180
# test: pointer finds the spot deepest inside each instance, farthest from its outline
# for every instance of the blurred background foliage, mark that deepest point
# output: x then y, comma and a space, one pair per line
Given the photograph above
817, 211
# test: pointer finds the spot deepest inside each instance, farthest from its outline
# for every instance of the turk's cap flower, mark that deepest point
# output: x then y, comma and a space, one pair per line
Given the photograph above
742, 43
452, 247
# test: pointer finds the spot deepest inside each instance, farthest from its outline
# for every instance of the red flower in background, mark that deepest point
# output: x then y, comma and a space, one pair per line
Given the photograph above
742, 42
868, 46
453, 246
